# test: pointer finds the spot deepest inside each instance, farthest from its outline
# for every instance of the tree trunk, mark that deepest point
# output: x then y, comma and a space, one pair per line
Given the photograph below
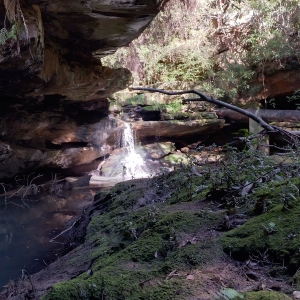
268, 115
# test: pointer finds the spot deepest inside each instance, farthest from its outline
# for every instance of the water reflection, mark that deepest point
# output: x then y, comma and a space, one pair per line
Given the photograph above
26, 227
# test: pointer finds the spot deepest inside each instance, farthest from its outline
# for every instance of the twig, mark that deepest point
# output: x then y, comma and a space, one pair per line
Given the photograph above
276, 147
10, 202
16, 192
24, 272
53, 239
5, 198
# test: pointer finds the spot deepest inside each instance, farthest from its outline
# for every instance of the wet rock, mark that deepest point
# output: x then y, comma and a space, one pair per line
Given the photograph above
82, 181
60, 137
157, 150
5, 152
296, 294
19, 161
185, 149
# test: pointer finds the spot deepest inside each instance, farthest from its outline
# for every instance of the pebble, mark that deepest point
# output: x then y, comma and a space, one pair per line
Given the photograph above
296, 294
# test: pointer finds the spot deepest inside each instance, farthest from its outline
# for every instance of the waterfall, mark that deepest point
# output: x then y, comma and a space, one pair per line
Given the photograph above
133, 165
125, 163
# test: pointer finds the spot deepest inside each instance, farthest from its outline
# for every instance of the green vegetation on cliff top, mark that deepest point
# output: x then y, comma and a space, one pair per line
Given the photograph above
219, 47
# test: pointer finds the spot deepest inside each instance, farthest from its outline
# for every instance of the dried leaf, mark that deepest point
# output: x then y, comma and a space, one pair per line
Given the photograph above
247, 188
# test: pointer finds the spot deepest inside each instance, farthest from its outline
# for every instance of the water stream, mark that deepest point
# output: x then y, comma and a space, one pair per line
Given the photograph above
26, 228
28, 225
126, 163
133, 165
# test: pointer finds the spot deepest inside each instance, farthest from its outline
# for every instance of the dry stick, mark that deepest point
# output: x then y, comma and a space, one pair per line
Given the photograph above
24, 272
5, 198
52, 240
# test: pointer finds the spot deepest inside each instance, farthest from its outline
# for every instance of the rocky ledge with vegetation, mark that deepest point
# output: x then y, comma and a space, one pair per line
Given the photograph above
222, 230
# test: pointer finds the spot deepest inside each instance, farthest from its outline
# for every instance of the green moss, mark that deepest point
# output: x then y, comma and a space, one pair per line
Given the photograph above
193, 255
177, 116
276, 233
268, 195
189, 116
190, 188
153, 107
176, 159
266, 295
134, 248
116, 285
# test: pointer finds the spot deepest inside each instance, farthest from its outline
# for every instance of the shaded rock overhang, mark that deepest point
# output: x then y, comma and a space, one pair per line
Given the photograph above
59, 44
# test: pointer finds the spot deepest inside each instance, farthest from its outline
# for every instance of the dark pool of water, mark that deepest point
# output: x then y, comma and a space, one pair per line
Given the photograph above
26, 228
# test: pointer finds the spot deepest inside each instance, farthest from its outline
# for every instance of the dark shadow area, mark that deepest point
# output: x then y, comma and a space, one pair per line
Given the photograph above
281, 102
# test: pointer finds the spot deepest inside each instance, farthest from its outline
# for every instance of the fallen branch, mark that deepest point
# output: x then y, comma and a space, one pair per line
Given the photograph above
53, 239
268, 128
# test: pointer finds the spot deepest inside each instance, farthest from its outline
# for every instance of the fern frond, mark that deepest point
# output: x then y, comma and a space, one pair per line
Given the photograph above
3, 35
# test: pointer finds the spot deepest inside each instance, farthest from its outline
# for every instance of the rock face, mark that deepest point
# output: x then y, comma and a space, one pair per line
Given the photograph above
67, 135
54, 111
53, 87
281, 83
73, 137
51, 47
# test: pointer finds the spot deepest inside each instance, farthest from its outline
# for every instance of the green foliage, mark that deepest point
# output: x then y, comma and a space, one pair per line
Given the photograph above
272, 236
138, 99
240, 169
234, 78
169, 54
266, 295
295, 97
12, 33
219, 50
174, 106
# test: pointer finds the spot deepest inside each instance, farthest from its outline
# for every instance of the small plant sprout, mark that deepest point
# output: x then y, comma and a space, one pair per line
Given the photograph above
270, 228
229, 294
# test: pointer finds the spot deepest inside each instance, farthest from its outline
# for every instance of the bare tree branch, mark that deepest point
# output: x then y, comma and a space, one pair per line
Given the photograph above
202, 97
250, 115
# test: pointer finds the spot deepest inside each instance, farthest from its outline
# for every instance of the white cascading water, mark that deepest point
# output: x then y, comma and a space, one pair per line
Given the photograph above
132, 163
124, 164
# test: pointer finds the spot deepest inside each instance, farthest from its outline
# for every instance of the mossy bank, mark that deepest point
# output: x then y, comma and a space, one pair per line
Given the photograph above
146, 237
140, 238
